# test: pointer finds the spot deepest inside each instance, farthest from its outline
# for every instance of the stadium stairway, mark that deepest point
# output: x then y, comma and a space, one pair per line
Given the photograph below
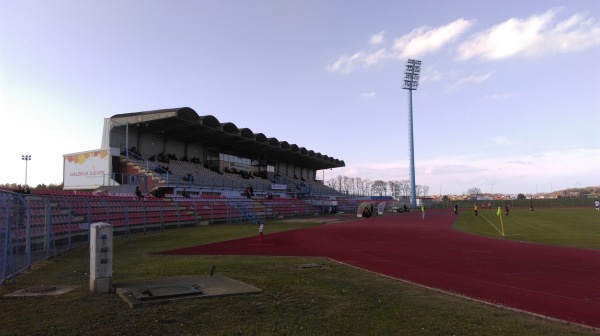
247, 211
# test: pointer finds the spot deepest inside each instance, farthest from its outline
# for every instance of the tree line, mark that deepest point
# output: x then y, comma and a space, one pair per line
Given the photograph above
16, 186
356, 186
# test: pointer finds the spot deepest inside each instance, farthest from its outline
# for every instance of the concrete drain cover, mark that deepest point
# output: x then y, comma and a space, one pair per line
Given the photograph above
154, 291
164, 292
42, 291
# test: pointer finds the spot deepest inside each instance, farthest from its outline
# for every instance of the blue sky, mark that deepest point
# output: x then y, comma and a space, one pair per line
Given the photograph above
508, 99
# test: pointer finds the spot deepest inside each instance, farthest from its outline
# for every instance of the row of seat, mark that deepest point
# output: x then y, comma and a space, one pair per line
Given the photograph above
73, 212
203, 176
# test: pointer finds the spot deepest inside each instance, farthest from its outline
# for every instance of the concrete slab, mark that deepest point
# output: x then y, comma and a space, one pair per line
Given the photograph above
177, 288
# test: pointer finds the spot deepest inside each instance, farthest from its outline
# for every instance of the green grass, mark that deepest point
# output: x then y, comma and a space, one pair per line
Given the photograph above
574, 227
333, 300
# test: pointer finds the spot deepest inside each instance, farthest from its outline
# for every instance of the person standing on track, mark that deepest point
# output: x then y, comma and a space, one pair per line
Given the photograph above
456, 209
423, 211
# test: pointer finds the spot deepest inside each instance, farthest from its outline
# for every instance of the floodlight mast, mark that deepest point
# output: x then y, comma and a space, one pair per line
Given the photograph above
26, 158
411, 82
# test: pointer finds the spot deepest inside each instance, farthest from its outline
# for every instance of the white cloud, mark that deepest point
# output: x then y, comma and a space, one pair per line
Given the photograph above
425, 39
430, 74
521, 162
494, 96
537, 35
375, 57
347, 64
367, 95
532, 37
377, 38
466, 80
416, 43
500, 141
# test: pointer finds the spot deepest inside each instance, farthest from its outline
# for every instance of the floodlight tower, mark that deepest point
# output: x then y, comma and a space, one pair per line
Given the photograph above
26, 158
411, 82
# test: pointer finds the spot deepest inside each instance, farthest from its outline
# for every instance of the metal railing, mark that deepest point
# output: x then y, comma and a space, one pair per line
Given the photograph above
525, 202
37, 227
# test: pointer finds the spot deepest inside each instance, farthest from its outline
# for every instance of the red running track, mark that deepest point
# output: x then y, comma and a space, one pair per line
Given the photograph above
557, 282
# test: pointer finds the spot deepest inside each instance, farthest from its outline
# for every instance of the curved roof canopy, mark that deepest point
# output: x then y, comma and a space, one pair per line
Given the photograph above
186, 125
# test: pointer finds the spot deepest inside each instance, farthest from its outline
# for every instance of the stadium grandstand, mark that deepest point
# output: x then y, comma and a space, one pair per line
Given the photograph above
168, 151
166, 169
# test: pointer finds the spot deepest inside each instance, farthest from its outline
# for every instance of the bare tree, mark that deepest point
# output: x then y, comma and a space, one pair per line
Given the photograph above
418, 189
379, 187
474, 191
332, 183
367, 187
360, 186
354, 188
405, 188
394, 187
345, 185
340, 185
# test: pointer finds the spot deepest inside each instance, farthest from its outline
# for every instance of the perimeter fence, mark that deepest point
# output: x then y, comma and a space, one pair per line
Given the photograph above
537, 202
36, 227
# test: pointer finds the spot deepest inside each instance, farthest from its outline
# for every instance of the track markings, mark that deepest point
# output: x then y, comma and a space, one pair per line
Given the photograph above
500, 232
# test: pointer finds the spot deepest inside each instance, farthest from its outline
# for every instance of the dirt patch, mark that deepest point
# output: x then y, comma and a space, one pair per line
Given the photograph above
42, 291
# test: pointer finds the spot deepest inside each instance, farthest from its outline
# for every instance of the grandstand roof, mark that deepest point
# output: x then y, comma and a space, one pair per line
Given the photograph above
185, 124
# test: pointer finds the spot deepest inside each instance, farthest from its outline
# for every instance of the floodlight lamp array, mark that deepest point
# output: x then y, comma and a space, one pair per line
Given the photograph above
409, 85
411, 78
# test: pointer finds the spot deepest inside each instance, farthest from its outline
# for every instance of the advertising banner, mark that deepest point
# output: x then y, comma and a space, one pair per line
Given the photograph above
86, 170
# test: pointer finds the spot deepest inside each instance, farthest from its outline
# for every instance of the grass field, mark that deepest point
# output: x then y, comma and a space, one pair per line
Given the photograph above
574, 227
332, 300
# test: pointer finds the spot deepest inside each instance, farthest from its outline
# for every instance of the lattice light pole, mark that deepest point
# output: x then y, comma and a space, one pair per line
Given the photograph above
411, 82
26, 158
